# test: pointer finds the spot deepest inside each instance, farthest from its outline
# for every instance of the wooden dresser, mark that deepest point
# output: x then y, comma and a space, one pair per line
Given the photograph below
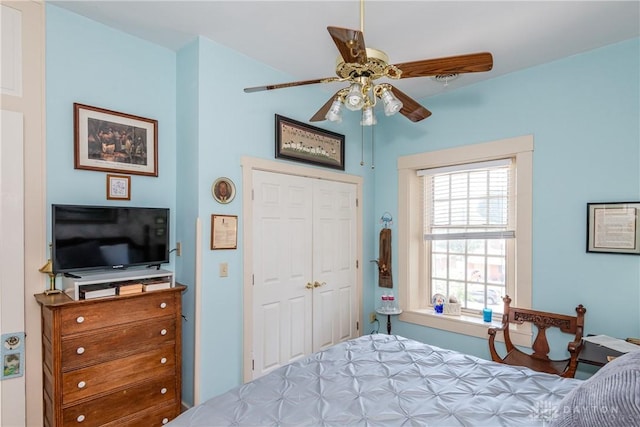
112, 361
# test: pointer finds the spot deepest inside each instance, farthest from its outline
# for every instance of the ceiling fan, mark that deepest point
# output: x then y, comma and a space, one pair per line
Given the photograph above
361, 67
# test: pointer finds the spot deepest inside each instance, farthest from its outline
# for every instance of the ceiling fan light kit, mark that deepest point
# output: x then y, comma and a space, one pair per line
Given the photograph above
391, 104
368, 118
361, 66
335, 111
355, 98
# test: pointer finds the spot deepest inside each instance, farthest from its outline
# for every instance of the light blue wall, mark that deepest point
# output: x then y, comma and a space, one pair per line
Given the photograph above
584, 119
187, 152
92, 64
241, 125
583, 112
199, 141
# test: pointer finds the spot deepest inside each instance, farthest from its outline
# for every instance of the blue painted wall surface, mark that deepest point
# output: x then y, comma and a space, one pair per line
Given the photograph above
199, 140
187, 170
586, 125
583, 117
92, 64
241, 125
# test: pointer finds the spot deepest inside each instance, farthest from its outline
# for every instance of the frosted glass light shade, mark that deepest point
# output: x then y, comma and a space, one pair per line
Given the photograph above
335, 111
368, 117
391, 104
354, 99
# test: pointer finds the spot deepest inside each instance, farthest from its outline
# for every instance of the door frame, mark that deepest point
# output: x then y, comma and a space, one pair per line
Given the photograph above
249, 164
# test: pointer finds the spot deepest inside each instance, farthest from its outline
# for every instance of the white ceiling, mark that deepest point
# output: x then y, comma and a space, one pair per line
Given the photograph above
291, 36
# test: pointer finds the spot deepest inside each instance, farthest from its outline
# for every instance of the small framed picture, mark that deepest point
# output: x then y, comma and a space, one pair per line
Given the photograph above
223, 190
224, 232
118, 187
613, 227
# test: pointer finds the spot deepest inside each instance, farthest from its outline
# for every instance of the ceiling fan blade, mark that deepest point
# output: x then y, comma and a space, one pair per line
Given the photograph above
350, 44
410, 107
290, 84
322, 112
471, 63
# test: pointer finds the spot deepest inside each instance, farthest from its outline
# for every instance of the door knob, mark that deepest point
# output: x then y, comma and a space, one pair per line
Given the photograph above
309, 285
317, 285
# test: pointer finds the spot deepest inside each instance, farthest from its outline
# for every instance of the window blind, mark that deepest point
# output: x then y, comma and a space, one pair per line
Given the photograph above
468, 201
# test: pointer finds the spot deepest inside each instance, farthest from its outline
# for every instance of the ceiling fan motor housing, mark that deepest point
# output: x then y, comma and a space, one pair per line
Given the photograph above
377, 66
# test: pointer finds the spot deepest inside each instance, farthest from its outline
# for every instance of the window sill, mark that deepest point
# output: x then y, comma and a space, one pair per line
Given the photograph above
466, 325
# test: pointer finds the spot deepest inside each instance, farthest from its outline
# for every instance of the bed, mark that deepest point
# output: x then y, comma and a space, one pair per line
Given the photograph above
389, 380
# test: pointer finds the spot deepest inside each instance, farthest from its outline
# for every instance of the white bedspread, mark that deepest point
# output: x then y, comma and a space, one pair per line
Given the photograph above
383, 380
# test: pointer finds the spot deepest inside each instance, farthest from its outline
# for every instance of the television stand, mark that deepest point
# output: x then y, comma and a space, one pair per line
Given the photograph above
73, 282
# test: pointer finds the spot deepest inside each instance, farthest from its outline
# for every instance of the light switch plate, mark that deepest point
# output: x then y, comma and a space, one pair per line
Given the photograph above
224, 269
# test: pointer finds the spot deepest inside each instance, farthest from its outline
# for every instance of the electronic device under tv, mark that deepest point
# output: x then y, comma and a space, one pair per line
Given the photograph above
108, 237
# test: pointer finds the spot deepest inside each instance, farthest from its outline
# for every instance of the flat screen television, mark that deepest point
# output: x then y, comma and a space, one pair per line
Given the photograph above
108, 237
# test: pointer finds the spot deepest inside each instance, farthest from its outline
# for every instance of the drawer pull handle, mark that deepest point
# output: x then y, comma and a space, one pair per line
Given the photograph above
163, 360
163, 332
80, 418
80, 350
163, 305
82, 384
165, 420
163, 391
80, 319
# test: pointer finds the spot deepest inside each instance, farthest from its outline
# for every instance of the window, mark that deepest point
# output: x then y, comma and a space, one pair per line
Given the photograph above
465, 230
468, 222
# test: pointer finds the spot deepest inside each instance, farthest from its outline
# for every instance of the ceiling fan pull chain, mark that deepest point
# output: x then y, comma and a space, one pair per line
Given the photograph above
373, 165
361, 145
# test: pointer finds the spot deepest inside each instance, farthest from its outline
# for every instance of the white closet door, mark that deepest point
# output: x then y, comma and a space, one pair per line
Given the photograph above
334, 263
282, 302
304, 254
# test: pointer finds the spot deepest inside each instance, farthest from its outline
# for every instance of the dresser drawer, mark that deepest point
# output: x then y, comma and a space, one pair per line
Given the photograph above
118, 373
154, 417
121, 404
116, 342
91, 315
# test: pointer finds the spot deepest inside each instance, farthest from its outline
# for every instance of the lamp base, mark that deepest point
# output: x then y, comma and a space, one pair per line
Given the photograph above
52, 286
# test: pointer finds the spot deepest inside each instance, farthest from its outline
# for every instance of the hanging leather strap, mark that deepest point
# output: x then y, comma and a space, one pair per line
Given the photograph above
385, 278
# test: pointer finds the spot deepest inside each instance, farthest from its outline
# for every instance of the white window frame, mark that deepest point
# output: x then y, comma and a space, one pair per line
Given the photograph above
411, 232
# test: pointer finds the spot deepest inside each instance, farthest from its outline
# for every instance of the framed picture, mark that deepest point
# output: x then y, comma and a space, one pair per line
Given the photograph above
109, 141
613, 227
223, 190
309, 144
224, 231
118, 187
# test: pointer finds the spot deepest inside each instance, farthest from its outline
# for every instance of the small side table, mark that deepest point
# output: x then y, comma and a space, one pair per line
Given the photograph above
388, 314
596, 355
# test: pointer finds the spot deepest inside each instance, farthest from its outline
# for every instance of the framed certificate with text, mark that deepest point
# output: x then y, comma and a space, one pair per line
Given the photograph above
224, 232
613, 227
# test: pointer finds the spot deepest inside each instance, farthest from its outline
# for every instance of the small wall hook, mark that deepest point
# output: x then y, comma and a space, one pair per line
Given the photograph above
386, 219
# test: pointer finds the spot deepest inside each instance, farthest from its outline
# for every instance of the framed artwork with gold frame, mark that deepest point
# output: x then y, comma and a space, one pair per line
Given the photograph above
223, 190
224, 232
110, 141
